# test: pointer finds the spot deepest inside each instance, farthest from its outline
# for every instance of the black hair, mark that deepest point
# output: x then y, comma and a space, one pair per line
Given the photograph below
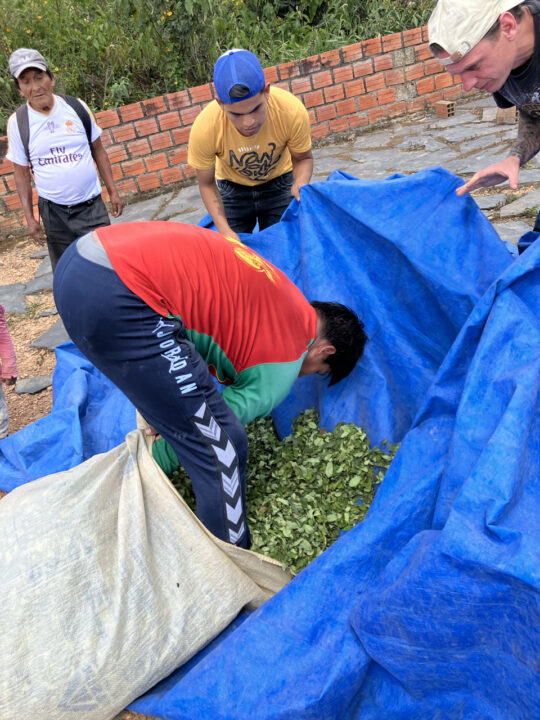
343, 328
518, 12
239, 91
47, 72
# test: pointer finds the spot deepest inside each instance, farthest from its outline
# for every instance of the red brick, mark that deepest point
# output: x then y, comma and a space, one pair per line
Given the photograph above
148, 182
106, 138
131, 112
425, 33
391, 42
425, 86
358, 121
352, 52
433, 98
13, 202
117, 172
171, 175
327, 112
117, 154
178, 100
288, 70
320, 131
201, 93
127, 187
343, 74
412, 37
332, 58
322, 79
394, 77
383, 62
366, 102
422, 52
416, 105
356, 87
271, 74
10, 183
414, 72
146, 127
336, 92
156, 162
443, 80
399, 108
309, 65
363, 68
177, 157
452, 93
347, 107
181, 135
133, 167
160, 141
312, 117
188, 172
138, 147
284, 85
107, 118
6, 167
301, 85
34, 196
169, 120
124, 132
433, 67
375, 82
314, 98
154, 106
386, 96
189, 115
339, 124
372, 47
376, 115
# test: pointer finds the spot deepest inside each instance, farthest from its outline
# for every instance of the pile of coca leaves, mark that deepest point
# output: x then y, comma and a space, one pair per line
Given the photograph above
306, 489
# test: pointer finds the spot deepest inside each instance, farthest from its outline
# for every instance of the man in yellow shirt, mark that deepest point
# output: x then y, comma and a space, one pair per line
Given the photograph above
251, 148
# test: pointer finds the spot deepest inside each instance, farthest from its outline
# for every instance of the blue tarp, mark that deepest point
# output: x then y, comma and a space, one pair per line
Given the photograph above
429, 608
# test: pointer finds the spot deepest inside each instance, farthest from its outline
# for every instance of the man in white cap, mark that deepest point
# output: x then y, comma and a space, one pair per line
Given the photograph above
251, 148
495, 46
58, 139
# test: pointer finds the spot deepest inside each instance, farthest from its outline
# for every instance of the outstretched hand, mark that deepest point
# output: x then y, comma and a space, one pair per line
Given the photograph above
507, 169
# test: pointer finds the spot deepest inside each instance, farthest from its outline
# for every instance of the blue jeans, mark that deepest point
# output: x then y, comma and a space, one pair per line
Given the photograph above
246, 204
151, 360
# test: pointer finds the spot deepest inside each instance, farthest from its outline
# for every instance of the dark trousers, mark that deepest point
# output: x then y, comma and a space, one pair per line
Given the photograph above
245, 205
65, 223
151, 360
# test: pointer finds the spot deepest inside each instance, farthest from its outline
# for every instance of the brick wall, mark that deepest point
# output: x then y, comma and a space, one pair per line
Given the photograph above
344, 90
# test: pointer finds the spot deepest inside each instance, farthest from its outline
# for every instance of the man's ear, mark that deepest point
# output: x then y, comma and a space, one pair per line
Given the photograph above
324, 348
266, 89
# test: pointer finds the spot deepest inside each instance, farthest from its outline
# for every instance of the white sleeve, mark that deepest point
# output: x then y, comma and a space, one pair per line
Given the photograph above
15, 151
96, 130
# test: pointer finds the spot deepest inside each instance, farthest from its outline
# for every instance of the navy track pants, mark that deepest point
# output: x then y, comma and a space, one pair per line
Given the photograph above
154, 364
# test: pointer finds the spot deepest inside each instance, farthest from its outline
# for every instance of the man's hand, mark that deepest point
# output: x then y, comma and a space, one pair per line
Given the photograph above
116, 203
295, 189
507, 169
36, 231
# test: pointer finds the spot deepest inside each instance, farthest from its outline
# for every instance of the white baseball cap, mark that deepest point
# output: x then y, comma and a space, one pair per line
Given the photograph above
458, 25
24, 58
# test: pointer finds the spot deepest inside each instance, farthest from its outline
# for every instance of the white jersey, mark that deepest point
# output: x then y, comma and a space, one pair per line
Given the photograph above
64, 169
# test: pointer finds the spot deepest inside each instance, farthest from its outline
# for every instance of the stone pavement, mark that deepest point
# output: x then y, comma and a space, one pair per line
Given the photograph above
463, 144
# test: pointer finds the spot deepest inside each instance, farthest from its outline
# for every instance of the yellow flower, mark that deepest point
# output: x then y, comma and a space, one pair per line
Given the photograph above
55, 69
176, 82
8, 30
168, 49
169, 12
106, 102
39, 17
28, 32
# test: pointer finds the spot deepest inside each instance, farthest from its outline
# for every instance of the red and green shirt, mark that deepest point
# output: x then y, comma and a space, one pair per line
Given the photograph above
248, 321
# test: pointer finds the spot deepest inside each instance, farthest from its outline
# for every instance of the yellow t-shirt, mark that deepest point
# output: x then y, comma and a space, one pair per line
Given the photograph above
215, 142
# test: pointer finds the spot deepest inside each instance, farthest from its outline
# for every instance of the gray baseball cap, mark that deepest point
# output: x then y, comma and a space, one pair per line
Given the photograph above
25, 58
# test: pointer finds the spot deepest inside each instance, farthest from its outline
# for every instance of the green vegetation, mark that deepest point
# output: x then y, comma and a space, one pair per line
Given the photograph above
303, 491
115, 52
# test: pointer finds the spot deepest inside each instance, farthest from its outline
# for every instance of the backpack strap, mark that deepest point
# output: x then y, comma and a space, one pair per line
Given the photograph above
24, 129
82, 112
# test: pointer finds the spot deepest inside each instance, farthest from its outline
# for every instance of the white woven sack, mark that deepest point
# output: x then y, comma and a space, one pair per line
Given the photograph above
109, 583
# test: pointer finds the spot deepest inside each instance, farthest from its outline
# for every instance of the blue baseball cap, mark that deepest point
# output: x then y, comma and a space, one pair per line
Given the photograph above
238, 67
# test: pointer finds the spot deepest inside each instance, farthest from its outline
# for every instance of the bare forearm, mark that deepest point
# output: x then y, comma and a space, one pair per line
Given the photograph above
527, 143
24, 190
302, 171
214, 204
